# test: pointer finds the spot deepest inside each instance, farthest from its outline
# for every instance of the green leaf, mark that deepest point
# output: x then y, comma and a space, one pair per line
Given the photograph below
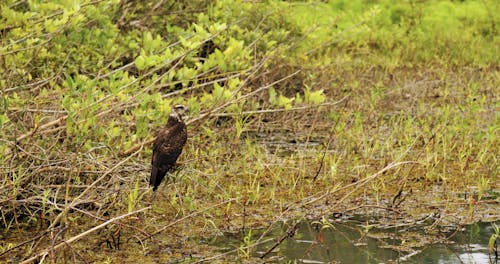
315, 98
298, 98
272, 96
217, 91
140, 62
3, 120
285, 102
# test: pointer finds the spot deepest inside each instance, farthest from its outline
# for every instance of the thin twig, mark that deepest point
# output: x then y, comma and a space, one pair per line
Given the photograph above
268, 111
81, 235
103, 219
24, 243
42, 127
330, 138
188, 216
90, 187
289, 234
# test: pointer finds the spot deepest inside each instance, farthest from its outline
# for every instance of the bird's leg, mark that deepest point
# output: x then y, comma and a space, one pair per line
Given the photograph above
152, 198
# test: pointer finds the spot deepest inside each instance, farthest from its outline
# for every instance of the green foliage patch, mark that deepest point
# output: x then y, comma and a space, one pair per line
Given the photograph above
296, 108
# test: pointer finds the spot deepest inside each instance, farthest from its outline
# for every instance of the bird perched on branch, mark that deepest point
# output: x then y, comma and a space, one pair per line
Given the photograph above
168, 145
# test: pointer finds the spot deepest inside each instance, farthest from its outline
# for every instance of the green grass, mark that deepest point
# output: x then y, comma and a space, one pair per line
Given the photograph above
84, 89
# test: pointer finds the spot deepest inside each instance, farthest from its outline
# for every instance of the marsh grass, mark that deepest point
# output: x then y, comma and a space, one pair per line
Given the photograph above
290, 119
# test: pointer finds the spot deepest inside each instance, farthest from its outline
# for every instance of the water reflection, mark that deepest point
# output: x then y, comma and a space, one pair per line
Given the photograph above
470, 247
357, 242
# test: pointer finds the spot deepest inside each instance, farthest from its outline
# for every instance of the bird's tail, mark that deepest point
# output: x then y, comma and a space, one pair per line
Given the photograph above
153, 180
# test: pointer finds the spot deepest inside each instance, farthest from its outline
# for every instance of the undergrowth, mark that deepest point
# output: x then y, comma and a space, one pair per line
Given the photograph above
297, 110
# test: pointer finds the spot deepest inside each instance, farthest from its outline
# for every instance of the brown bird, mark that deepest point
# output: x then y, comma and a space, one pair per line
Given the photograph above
168, 145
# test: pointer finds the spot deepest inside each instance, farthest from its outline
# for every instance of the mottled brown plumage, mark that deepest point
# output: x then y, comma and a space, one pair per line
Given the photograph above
168, 146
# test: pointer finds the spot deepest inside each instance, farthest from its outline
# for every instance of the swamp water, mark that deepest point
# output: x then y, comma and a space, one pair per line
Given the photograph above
357, 241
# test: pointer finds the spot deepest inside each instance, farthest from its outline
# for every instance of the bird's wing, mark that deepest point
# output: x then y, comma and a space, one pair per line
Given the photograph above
166, 149
165, 152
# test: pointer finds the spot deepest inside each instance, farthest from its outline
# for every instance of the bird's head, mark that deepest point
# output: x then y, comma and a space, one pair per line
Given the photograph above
178, 111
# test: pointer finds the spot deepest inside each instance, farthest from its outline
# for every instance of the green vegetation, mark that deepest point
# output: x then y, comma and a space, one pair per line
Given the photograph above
492, 244
297, 110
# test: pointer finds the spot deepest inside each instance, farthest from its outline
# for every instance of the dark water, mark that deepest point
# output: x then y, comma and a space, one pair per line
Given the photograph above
359, 242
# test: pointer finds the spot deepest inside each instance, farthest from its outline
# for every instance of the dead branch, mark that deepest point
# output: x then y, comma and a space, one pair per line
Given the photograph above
81, 235
90, 187
289, 234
